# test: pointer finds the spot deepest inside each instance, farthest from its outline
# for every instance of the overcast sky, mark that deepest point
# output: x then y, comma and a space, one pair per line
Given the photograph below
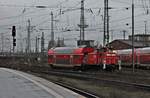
17, 12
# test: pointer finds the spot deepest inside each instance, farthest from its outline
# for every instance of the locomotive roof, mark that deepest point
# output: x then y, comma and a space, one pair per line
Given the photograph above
61, 48
144, 50
68, 50
138, 50
125, 51
64, 49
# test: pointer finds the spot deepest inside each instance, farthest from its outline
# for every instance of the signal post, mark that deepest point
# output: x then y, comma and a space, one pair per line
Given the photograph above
14, 44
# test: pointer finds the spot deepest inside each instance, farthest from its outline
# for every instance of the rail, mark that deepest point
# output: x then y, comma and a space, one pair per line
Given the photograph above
79, 91
89, 76
85, 93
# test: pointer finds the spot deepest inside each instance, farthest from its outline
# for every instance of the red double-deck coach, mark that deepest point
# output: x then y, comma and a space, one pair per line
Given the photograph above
80, 57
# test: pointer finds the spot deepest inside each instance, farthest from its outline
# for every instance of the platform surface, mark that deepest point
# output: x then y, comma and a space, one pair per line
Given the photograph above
16, 84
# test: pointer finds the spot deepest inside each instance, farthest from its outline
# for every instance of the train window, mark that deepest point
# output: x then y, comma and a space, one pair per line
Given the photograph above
50, 56
64, 51
77, 56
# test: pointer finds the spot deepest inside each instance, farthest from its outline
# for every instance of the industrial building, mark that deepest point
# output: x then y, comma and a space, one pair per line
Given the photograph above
140, 41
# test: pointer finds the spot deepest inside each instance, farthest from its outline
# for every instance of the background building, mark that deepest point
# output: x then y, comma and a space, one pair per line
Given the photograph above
140, 40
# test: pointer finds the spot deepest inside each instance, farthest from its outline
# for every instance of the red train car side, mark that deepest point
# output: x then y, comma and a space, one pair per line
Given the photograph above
141, 57
82, 57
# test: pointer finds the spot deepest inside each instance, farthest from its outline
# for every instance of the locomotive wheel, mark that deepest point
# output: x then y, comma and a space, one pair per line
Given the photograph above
82, 67
137, 66
76, 68
110, 68
147, 67
114, 67
52, 66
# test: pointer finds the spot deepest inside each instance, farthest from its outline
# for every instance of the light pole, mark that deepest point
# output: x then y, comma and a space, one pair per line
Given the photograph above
133, 65
52, 29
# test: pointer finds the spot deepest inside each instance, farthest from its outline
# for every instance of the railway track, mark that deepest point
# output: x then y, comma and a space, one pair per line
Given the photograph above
140, 76
79, 91
91, 77
120, 76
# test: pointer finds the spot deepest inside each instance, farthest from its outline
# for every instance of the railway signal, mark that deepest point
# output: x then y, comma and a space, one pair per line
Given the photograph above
14, 35
13, 31
14, 42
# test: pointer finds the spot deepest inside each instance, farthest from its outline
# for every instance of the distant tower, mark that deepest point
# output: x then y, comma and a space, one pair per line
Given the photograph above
106, 23
28, 37
124, 34
52, 41
52, 28
42, 43
82, 24
36, 45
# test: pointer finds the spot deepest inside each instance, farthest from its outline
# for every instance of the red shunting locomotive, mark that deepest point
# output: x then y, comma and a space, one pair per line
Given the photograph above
80, 57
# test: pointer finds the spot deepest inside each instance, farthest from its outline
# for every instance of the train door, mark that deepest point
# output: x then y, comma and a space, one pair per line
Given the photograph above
138, 58
101, 60
85, 59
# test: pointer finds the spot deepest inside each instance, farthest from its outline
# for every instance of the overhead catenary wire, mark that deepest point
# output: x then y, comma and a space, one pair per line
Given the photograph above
112, 21
19, 15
